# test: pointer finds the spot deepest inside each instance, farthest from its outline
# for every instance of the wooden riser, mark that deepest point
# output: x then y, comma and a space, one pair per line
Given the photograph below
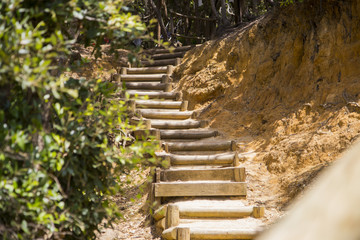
177, 124
159, 104
140, 77
155, 95
166, 87
177, 49
163, 62
182, 189
145, 134
222, 234
215, 159
165, 114
216, 213
147, 70
167, 55
209, 210
235, 174
187, 134
209, 234
201, 146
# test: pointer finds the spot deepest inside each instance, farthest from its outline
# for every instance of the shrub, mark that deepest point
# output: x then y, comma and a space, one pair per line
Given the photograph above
60, 138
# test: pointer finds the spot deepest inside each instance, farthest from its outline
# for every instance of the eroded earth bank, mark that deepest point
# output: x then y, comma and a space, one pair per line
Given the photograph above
287, 88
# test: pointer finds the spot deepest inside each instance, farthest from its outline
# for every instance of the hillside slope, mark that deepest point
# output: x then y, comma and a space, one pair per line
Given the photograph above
288, 87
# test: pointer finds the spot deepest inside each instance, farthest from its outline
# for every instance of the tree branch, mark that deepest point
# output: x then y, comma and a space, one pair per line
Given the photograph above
160, 20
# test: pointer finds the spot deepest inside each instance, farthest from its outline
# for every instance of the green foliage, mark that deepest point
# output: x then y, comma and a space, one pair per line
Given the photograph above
288, 2
61, 140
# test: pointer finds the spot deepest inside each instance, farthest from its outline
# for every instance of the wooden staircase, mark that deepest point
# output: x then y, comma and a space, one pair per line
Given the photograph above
201, 195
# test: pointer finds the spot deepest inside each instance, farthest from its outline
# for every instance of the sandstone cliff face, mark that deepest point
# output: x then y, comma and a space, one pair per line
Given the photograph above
288, 85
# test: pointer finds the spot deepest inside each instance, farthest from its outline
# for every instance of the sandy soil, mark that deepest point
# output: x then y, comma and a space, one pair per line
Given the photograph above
134, 203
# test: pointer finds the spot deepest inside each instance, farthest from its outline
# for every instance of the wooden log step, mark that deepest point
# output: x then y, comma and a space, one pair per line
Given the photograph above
171, 49
182, 189
215, 159
224, 212
159, 104
201, 146
235, 174
166, 87
154, 95
203, 208
162, 62
187, 134
144, 134
158, 114
210, 233
143, 70
160, 213
160, 225
220, 234
167, 55
177, 124
140, 77
207, 152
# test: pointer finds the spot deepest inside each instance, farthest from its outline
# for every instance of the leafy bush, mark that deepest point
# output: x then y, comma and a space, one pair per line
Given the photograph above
60, 138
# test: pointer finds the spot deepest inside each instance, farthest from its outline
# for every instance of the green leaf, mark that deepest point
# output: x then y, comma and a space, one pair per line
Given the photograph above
24, 227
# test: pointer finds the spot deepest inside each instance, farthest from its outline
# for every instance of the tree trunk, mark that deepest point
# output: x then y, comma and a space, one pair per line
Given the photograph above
187, 20
224, 19
163, 3
242, 8
237, 11
213, 8
160, 20
158, 32
197, 23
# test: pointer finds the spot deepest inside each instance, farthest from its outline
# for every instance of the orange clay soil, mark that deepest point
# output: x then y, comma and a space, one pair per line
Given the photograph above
285, 86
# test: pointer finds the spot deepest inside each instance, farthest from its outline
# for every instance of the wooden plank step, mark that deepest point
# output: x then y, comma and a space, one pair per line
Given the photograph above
167, 55
182, 189
207, 152
162, 62
187, 134
157, 114
166, 87
201, 146
236, 174
145, 134
176, 49
165, 114
203, 208
143, 70
140, 77
220, 234
199, 212
182, 105
177, 124
154, 95
209, 233
215, 159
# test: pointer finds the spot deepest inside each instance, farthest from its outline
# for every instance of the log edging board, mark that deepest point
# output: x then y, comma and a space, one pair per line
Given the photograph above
175, 189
